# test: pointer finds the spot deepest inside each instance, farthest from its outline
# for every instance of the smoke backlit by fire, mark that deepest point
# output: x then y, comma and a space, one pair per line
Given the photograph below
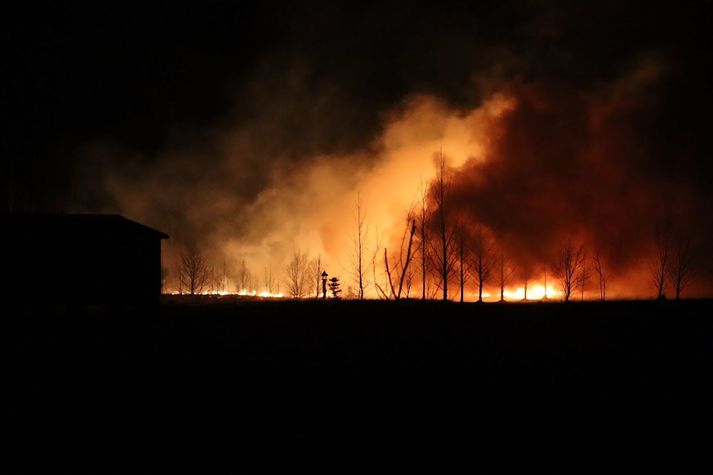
534, 165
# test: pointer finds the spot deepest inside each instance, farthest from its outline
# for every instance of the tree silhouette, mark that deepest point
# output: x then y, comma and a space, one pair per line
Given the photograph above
424, 241
506, 271
599, 270
482, 259
377, 285
568, 268
463, 262
194, 270
660, 263
404, 260
244, 277
334, 287
679, 269
443, 253
359, 241
583, 276
298, 275
316, 272
267, 275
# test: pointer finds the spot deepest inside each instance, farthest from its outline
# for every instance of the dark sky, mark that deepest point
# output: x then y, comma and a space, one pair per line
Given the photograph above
132, 74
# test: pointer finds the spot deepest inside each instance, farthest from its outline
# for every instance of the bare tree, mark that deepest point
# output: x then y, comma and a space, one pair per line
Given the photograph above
568, 267
583, 277
298, 275
213, 280
408, 282
506, 272
424, 241
463, 262
388, 274
403, 261
216, 279
443, 255
317, 276
660, 263
244, 278
679, 270
377, 285
269, 281
359, 240
601, 276
482, 259
224, 278
194, 270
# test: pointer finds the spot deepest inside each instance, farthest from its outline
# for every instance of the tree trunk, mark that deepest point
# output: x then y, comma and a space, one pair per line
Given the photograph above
462, 275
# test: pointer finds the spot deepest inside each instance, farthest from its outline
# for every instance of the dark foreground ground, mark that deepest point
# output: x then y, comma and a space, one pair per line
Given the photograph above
376, 370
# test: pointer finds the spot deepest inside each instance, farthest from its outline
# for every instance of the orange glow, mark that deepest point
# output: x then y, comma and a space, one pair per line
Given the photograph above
242, 293
534, 292
269, 295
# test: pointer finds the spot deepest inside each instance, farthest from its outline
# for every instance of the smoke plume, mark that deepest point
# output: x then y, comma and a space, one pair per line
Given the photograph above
536, 164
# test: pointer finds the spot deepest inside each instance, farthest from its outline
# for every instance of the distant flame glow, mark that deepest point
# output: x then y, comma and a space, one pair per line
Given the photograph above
241, 293
534, 292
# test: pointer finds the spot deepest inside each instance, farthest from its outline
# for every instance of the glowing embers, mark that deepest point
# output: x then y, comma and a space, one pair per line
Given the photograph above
512, 294
264, 294
240, 293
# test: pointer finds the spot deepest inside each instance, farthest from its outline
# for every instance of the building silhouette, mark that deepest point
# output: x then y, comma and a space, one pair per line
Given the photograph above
84, 259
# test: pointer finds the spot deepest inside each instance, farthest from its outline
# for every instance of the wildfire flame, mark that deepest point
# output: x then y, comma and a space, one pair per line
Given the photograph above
534, 292
241, 293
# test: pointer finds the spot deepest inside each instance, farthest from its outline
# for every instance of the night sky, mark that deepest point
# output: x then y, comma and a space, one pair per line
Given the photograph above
101, 97
131, 73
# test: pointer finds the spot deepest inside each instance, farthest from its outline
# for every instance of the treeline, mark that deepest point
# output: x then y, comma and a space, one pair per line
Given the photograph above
439, 254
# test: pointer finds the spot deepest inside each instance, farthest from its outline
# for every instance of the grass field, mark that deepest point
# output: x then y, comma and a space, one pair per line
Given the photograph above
358, 366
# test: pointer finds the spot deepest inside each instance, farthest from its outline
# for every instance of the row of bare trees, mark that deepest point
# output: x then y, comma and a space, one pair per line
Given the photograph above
672, 264
450, 254
478, 259
435, 237
303, 276
431, 236
571, 270
196, 276
440, 247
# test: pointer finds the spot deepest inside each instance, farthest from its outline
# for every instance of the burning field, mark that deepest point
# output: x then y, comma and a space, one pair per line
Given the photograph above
498, 193
533, 150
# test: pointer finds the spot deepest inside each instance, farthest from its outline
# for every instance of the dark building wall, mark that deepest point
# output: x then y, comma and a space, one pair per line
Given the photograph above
86, 261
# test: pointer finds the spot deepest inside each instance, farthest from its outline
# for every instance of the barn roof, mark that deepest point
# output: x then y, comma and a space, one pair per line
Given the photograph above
88, 223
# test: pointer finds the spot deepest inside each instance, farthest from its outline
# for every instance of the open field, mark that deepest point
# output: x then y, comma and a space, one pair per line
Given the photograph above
357, 365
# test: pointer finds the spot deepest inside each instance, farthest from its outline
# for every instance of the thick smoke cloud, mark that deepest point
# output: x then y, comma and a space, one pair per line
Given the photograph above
255, 195
537, 165
584, 166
